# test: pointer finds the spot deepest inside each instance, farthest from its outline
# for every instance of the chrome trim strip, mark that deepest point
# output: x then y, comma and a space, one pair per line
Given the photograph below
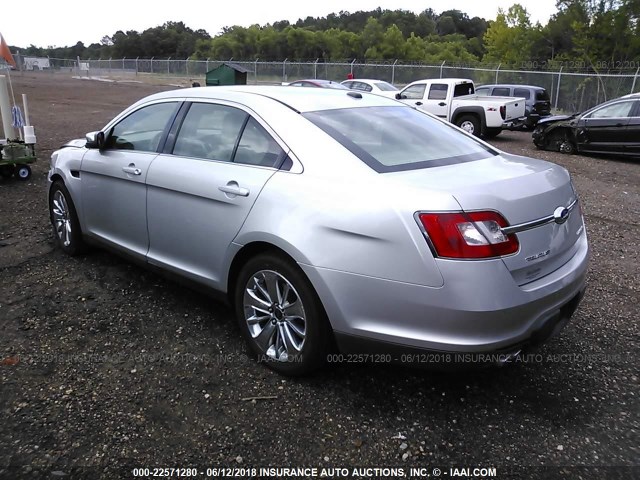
522, 227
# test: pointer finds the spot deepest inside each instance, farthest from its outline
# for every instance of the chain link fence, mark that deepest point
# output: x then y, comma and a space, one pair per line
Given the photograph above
569, 91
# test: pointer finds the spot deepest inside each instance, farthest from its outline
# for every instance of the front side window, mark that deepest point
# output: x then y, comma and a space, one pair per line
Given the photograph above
414, 92
391, 139
483, 92
210, 131
617, 110
142, 129
438, 91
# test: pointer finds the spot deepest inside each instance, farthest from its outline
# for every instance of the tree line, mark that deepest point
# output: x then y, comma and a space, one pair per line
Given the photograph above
585, 34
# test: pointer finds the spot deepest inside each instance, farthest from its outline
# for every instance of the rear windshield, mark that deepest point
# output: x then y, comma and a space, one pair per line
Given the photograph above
386, 87
392, 139
542, 95
463, 89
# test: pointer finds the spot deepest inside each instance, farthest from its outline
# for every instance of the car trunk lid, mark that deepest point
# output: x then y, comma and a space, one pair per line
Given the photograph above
527, 193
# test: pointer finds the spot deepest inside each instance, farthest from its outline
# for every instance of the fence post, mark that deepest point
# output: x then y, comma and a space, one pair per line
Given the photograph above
284, 70
393, 72
123, 64
109, 64
151, 62
207, 65
255, 70
354, 61
497, 71
137, 66
633, 86
168, 63
315, 68
555, 106
441, 67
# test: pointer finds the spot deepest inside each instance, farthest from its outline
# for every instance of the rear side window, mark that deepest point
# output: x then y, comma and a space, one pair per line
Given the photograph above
438, 91
391, 139
522, 92
257, 147
501, 92
142, 129
210, 131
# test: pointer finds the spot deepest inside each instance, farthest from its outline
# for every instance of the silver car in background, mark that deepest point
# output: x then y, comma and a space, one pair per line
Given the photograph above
331, 218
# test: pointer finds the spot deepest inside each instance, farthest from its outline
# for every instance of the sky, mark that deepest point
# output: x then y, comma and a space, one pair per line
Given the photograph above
65, 22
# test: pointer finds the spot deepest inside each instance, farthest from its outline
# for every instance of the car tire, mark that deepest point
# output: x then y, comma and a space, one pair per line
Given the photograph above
492, 132
64, 219
281, 316
6, 171
23, 172
559, 141
470, 124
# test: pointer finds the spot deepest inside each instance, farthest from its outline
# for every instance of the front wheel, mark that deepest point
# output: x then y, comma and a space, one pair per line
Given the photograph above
280, 315
470, 124
66, 227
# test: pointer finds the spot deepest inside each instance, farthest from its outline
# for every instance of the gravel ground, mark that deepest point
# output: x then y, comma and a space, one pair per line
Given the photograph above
105, 366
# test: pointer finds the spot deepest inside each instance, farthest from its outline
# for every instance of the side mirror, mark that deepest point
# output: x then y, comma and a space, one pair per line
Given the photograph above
398, 96
95, 140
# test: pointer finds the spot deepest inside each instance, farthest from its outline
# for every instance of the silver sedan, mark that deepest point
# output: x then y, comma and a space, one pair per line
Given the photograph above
331, 219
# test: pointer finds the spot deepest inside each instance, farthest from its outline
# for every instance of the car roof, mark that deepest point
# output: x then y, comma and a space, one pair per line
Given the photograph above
372, 80
299, 99
511, 85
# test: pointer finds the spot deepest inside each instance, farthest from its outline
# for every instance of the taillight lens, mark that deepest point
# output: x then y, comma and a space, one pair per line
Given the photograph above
503, 112
468, 235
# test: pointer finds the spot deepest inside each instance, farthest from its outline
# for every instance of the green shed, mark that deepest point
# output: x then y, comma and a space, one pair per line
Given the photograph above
227, 74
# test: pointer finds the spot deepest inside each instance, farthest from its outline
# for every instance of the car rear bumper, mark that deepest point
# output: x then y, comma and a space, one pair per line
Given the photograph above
479, 309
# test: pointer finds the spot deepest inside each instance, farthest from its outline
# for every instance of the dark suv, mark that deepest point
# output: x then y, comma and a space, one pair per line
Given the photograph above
537, 104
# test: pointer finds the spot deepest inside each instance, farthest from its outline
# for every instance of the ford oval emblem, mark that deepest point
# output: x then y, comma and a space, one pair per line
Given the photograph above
560, 215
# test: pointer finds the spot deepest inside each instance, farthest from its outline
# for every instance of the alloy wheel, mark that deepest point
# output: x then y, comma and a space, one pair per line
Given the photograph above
275, 315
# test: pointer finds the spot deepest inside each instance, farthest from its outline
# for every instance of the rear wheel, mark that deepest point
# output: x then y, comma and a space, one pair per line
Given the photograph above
23, 172
492, 132
66, 227
280, 315
470, 124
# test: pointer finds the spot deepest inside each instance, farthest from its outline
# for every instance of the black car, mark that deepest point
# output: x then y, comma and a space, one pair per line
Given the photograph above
610, 128
537, 101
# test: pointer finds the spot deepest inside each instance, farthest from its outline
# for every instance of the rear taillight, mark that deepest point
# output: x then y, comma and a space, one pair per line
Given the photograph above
503, 112
468, 235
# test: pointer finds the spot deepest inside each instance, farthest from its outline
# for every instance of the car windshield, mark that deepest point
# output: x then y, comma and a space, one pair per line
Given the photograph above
386, 87
391, 139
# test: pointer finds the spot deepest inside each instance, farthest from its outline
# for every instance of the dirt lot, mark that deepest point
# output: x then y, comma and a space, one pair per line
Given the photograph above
105, 366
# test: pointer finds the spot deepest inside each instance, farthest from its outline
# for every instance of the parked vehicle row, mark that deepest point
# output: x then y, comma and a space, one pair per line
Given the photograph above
330, 217
537, 100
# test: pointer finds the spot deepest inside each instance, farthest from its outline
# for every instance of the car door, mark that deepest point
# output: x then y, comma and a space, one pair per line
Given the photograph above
632, 136
605, 128
414, 95
436, 100
113, 178
201, 188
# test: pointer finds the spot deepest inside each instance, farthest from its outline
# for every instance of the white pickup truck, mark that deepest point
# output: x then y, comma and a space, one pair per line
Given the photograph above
454, 99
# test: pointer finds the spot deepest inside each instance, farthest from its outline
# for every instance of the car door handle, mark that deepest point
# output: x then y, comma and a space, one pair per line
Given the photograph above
442, 104
232, 188
418, 103
132, 170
